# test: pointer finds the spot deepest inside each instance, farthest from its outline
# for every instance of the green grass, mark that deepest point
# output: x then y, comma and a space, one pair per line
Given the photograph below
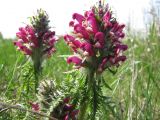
135, 86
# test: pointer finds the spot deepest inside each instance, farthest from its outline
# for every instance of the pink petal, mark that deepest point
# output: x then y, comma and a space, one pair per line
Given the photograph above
102, 65
76, 43
98, 45
106, 19
52, 41
18, 43
107, 16
23, 31
26, 50
88, 48
66, 117
74, 59
122, 47
35, 106
22, 36
69, 38
68, 107
115, 27
50, 51
92, 21
30, 30
80, 29
66, 100
120, 58
71, 24
78, 17
100, 38
48, 35
89, 13
74, 113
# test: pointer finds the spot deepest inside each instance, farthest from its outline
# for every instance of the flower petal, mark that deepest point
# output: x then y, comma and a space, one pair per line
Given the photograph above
74, 59
92, 21
88, 48
80, 29
100, 38
80, 18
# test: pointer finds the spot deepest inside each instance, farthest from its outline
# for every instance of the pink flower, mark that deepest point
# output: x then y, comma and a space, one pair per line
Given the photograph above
23, 48
92, 22
66, 117
99, 37
106, 19
122, 47
69, 38
102, 65
71, 23
78, 17
51, 41
36, 37
120, 58
67, 110
89, 13
74, 113
80, 29
66, 100
49, 51
75, 44
35, 106
74, 59
28, 41
48, 35
26, 50
88, 48
68, 107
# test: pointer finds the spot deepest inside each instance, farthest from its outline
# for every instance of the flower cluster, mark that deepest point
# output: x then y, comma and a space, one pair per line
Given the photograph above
65, 110
37, 41
96, 39
35, 106
36, 38
70, 112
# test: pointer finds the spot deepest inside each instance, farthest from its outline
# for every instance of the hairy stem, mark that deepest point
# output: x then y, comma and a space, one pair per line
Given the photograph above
90, 91
94, 99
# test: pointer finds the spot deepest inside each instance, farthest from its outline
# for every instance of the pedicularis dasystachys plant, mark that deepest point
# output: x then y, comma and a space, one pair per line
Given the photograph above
36, 40
96, 40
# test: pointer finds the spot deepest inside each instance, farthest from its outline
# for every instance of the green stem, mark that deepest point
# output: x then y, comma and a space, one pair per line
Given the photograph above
37, 73
84, 102
94, 99
88, 90
36, 82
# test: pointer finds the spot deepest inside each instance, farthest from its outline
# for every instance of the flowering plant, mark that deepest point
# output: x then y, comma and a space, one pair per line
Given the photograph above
36, 40
96, 40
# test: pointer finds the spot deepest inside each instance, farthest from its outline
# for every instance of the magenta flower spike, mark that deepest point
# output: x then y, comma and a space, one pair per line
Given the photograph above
29, 41
96, 42
96, 36
37, 41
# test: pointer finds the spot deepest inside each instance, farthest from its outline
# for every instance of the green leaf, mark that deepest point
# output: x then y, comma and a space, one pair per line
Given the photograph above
106, 85
112, 71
